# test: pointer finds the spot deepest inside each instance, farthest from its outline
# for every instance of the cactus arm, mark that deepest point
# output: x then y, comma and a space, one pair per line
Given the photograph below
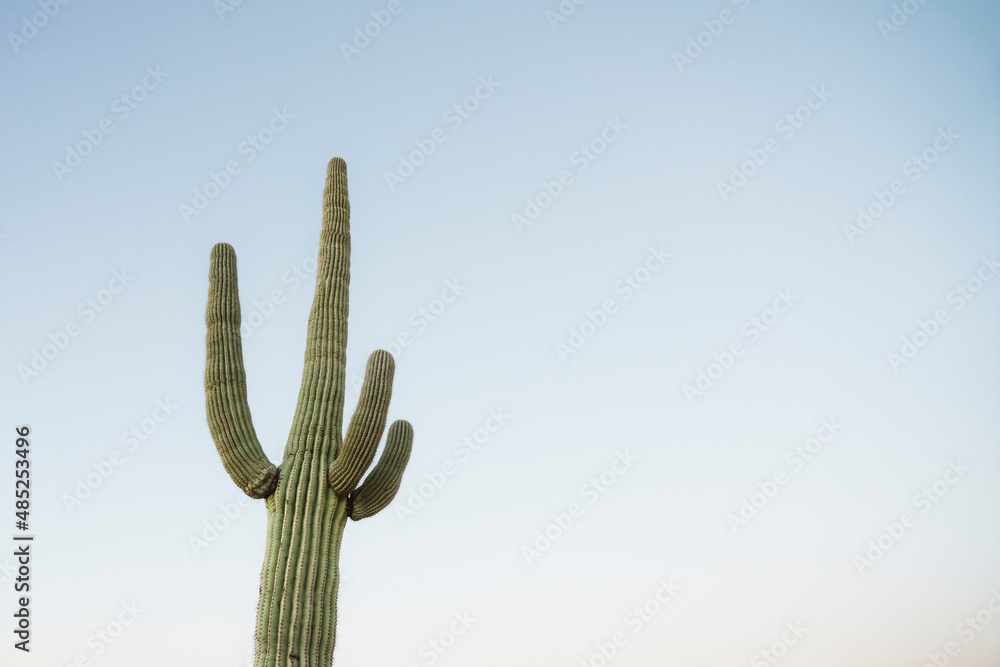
367, 425
225, 383
380, 487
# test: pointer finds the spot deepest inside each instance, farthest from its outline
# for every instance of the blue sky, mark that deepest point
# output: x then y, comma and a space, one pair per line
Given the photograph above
595, 184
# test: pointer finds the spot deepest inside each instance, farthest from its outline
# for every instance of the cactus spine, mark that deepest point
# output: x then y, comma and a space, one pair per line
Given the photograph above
314, 490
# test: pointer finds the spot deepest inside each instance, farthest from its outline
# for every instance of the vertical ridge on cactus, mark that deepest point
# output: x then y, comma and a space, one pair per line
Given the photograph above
312, 493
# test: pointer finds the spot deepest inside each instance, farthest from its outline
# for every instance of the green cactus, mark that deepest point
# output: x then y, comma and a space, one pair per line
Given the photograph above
310, 496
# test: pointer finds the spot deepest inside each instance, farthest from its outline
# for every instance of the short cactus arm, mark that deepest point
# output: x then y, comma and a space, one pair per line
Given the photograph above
380, 487
367, 424
225, 383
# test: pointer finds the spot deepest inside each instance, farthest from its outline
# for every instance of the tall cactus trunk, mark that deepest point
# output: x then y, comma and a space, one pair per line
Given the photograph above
310, 496
297, 613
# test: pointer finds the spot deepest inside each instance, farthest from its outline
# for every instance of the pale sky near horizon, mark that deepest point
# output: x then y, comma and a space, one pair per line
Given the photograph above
704, 292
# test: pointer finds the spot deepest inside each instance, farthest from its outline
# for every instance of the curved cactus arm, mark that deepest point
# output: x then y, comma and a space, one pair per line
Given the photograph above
367, 424
380, 487
225, 383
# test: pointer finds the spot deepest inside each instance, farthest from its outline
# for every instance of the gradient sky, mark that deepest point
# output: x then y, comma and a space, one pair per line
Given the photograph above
554, 87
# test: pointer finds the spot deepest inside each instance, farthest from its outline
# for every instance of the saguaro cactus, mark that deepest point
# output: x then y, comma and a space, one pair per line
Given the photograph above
314, 490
